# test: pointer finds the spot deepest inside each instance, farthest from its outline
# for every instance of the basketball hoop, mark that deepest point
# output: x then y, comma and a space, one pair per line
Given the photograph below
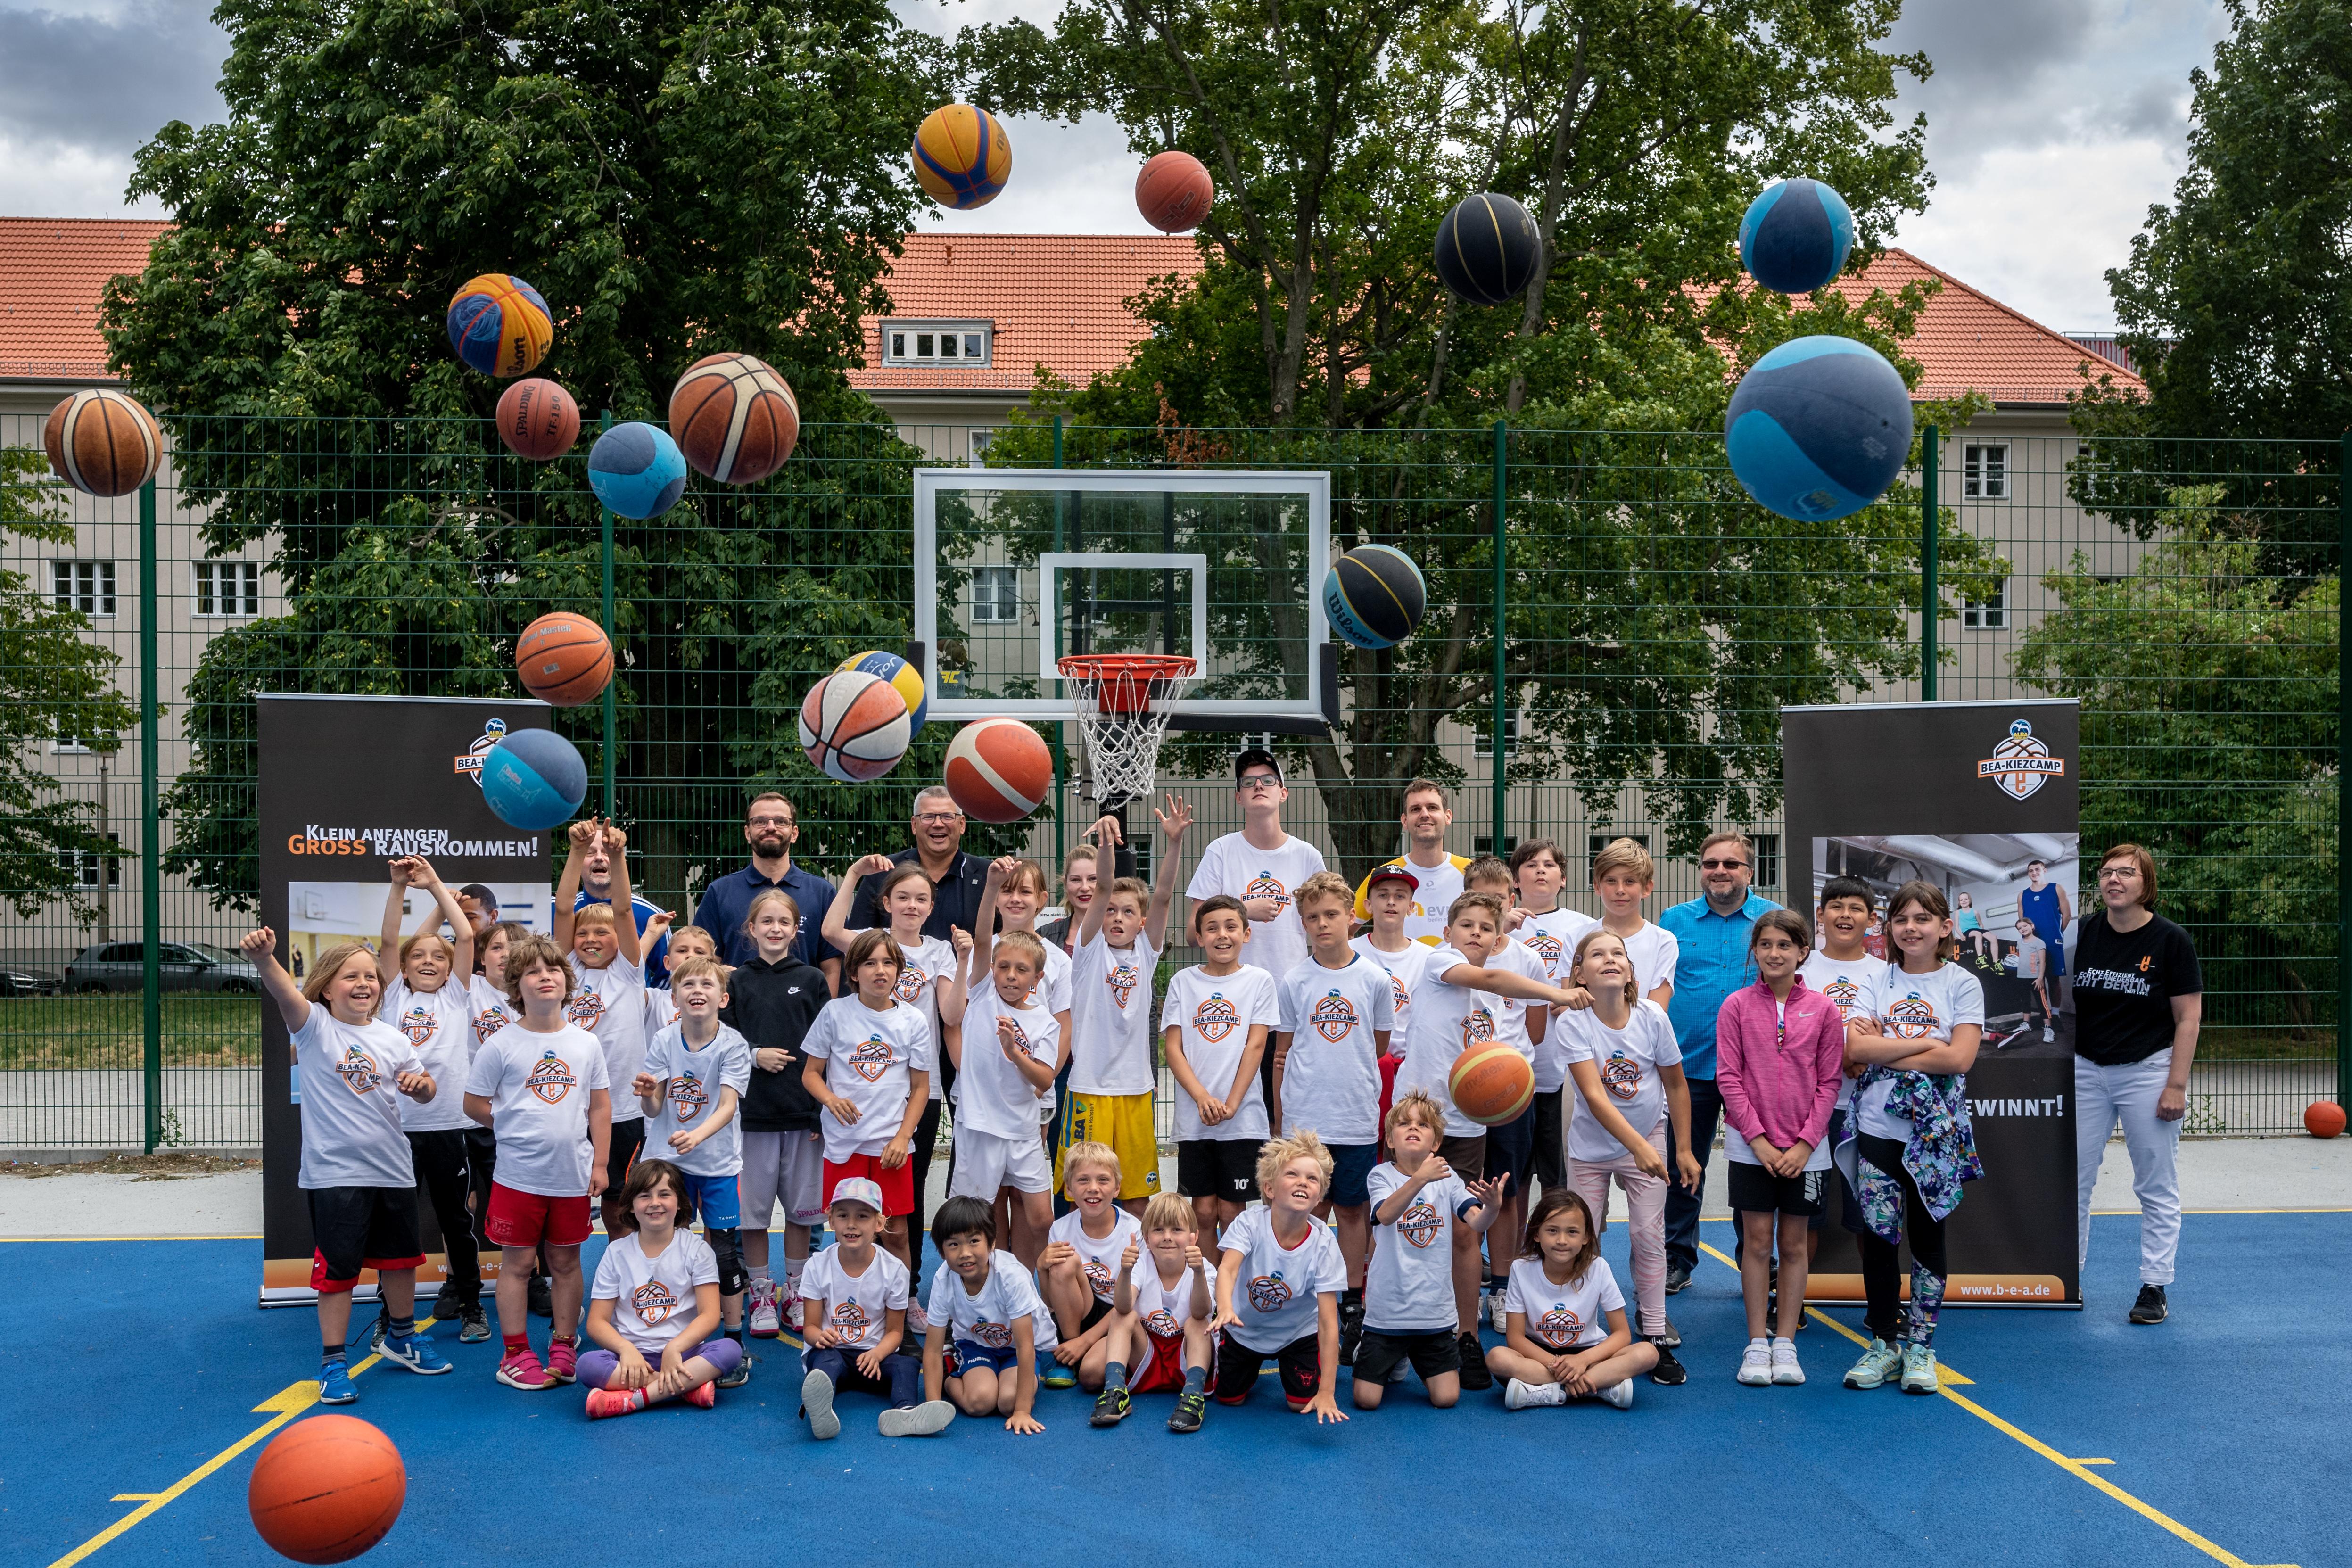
1121, 704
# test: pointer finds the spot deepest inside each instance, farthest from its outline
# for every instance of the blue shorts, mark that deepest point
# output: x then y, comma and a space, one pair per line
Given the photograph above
970, 1354
1350, 1165
716, 1199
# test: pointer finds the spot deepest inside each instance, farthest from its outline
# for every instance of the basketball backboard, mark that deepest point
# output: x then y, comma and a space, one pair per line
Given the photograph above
1016, 567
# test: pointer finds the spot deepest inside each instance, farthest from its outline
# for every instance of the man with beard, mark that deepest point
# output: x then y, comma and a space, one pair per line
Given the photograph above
770, 826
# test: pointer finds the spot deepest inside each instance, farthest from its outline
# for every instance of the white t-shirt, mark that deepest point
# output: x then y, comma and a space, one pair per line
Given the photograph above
1005, 1297
1510, 1013
539, 1087
1276, 1295
653, 1298
1437, 889
1916, 1007
991, 1096
928, 962
1231, 866
1552, 936
1404, 974
493, 1010
1853, 988
610, 1003
1166, 1309
857, 1301
1446, 1021
694, 1080
661, 1010
1099, 1259
1628, 1061
1654, 952
1331, 1080
439, 1027
1409, 1283
1110, 1017
350, 1111
867, 1058
1215, 1012
1563, 1318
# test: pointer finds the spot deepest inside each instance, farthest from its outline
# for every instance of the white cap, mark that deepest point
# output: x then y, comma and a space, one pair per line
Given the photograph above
857, 1190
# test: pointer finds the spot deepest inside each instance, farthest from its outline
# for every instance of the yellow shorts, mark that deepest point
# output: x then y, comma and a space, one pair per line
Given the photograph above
1126, 1122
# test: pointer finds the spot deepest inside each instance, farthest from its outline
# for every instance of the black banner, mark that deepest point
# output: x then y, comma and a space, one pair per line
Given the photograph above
348, 784
1983, 800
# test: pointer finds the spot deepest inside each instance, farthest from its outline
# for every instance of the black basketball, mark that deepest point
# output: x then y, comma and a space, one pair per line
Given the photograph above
1486, 249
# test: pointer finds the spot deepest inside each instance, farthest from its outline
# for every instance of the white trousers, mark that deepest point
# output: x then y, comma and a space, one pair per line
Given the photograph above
2105, 1096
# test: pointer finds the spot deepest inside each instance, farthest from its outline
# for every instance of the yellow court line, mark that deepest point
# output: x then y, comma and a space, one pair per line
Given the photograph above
2075, 1468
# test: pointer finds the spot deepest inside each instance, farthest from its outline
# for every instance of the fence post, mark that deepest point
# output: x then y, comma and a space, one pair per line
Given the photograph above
1495, 754
1928, 530
1060, 817
612, 724
2343, 782
151, 835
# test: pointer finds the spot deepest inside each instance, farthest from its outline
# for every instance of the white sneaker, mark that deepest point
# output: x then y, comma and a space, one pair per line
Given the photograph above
1784, 1363
918, 1321
2048, 1034
794, 1314
1498, 1314
1518, 1395
1619, 1394
1755, 1364
765, 1320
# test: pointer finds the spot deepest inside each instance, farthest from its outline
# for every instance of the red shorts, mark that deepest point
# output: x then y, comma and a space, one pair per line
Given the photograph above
527, 1219
897, 1186
1163, 1369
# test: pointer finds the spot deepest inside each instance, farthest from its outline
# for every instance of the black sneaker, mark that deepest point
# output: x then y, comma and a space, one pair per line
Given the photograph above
1677, 1278
1111, 1407
739, 1373
473, 1324
2150, 1308
1672, 1339
1351, 1330
383, 1325
1189, 1408
543, 1301
1475, 1375
1668, 1371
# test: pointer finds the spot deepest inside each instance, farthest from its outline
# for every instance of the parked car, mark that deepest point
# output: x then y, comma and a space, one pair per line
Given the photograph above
185, 965
24, 983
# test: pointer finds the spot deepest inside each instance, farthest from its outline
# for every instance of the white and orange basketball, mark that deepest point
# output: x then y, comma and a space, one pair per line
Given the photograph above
999, 770
735, 418
854, 726
103, 443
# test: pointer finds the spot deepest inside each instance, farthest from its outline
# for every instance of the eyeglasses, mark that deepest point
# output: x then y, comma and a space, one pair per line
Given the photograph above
768, 822
1723, 865
2107, 871
938, 818
1257, 782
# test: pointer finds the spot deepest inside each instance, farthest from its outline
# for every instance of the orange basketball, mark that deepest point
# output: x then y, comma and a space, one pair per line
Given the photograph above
326, 1489
564, 659
735, 419
1173, 192
103, 443
999, 770
1491, 1084
2323, 1118
537, 419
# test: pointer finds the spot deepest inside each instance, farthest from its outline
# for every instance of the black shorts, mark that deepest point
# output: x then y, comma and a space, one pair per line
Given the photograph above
628, 1138
1217, 1168
1511, 1150
1551, 1139
1300, 1362
1467, 1156
1097, 1310
1755, 1190
1433, 1354
353, 1228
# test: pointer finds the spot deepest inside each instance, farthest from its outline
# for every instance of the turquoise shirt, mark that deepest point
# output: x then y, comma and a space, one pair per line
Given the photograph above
1711, 966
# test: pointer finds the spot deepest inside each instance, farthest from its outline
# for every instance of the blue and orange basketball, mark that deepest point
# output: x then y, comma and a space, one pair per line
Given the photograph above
961, 157
500, 325
903, 678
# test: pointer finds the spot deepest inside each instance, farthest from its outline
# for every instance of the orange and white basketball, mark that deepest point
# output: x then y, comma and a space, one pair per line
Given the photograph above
734, 418
1491, 1084
103, 443
853, 726
999, 770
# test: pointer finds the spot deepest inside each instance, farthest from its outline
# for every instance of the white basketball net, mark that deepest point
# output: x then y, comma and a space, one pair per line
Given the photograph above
1120, 702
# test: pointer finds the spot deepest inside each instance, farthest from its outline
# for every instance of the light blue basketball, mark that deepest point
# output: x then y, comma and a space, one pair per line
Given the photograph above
637, 470
1819, 429
534, 780
1796, 236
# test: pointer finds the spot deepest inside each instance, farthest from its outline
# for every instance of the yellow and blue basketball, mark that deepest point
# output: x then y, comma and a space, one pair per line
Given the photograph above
500, 325
903, 678
1374, 597
961, 157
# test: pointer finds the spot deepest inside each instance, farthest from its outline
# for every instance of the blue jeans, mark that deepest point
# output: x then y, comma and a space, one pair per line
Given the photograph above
1682, 1207
901, 1382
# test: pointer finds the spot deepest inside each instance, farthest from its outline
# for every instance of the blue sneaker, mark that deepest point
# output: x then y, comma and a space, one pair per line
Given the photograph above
415, 1352
1054, 1374
335, 1382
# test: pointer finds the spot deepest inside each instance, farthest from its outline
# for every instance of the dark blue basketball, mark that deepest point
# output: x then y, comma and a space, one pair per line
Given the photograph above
637, 470
1819, 428
1486, 249
534, 780
1796, 236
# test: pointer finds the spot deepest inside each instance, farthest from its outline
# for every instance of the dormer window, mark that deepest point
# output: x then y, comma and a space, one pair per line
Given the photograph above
937, 342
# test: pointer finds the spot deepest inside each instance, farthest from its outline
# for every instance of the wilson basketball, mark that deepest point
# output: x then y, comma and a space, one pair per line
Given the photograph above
2323, 1118
1173, 192
500, 325
326, 1489
853, 726
961, 157
1491, 1084
102, 443
735, 419
537, 419
564, 659
999, 770
1374, 597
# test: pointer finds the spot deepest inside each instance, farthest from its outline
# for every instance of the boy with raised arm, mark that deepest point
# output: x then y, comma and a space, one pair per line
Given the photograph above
610, 1000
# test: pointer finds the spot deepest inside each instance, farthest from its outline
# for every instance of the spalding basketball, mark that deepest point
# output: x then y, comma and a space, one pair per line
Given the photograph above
1173, 192
326, 1489
1486, 249
500, 325
1374, 597
564, 659
102, 443
735, 419
853, 726
999, 770
961, 157
905, 678
2323, 1118
537, 419
1491, 1084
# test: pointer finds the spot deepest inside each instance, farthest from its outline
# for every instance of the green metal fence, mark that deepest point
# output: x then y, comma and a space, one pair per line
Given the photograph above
1607, 610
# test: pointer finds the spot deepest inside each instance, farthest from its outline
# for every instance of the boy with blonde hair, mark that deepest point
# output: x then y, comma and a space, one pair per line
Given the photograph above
1079, 1269
1278, 1284
1006, 1048
607, 956
1162, 1308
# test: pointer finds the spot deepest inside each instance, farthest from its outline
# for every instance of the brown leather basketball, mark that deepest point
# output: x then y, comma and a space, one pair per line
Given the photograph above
537, 419
103, 443
564, 659
735, 419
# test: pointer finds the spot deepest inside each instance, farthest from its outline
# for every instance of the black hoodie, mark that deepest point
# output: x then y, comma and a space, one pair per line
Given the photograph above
773, 1004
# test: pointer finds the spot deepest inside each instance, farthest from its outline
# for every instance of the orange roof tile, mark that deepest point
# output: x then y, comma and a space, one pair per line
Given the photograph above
52, 272
1968, 342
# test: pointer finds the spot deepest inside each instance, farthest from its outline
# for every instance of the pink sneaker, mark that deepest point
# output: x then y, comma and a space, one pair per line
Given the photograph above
521, 1370
562, 1362
604, 1402
793, 1315
703, 1395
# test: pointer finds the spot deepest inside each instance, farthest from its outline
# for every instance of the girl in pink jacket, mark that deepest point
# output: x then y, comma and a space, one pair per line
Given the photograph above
1779, 1053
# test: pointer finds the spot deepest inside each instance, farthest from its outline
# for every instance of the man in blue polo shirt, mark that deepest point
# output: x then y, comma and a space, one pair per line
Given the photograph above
770, 826
1712, 932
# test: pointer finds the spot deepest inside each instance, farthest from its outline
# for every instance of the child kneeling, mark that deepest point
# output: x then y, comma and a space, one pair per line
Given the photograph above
1557, 1347
984, 1301
637, 1308
1278, 1284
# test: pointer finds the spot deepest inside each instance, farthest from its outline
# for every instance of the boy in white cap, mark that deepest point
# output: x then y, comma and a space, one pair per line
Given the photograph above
854, 1299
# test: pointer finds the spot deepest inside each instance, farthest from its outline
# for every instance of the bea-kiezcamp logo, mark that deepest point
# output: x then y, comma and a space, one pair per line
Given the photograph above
1333, 1018
470, 762
2020, 763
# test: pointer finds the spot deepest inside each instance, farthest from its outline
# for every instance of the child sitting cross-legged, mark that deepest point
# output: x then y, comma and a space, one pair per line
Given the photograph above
1161, 1308
1566, 1338
655, 1296
982, 1298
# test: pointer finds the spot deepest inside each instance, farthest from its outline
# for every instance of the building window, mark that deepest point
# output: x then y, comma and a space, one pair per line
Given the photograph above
228, 587
69, 746
88, 868
976, 443
1768, 858
995, 594
1482, 739
937, 342
1984, 471
84, 585
1484, 843
1987, 614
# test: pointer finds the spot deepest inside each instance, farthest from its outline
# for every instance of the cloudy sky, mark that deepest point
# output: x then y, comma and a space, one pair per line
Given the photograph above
2052, 124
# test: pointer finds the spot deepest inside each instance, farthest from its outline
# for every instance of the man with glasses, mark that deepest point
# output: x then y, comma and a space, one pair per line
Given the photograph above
770, 826
956, 878
1711, 932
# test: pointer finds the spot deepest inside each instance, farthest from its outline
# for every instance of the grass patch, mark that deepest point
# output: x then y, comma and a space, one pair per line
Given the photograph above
106, 1033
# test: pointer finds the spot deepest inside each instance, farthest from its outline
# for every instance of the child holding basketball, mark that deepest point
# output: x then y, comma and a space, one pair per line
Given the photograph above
773, 1000
654, 1345
1622, 877
853, 1301
609, 1000
982, 1299
1566, 1336
1214, 1026
868, 1065
359, 1175
1161, 1312
1409, 1306
1278, 1285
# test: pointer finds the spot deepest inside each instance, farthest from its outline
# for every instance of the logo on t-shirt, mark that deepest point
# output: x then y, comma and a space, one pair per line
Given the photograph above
584, 1008
687, 1093
1478, 1027
654, 1302
489, 1022
849, 1320
1622, 1075
1215, 1018
551, 1079
1420, 1223
418, 1023
1020, 1035
1266, 885
359, 1070
1098, 1276
911, 982
1333, 1018
1402, 997
1844, 992
995, 1336
1912, 1017
1558, 1326
869, 1059
1122, 982
1161, 1323
1543, 945
1268, 1292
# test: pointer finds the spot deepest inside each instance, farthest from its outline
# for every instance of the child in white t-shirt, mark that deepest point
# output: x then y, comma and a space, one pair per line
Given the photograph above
1278, 1285
1388, 896
661, 1001
1548, 930
1511, 1145
1622, 877
1079, 1271
982, 1300
607, 955
1011, 1042
854, 1304
494, 1010
1213, 1026
867, 1063
1408, 1306
1161, 1311
1567, 1336
654, 1306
